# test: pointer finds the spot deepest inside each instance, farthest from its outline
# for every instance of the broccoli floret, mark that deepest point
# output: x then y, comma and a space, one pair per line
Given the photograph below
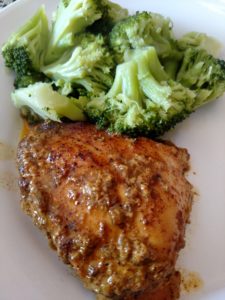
67, 89
141, 30
189, 40
203, 73
200, 41
111, 14
64, 88
24, 51
72, 17
89, 64
26, 80
41, 99
144, 101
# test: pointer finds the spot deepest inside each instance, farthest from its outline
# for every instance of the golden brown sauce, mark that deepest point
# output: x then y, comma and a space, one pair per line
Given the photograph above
7, 179
6, 152
183, 281
190, 281
25, 130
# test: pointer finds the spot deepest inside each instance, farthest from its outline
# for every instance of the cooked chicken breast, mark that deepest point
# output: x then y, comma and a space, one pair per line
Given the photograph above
114, 208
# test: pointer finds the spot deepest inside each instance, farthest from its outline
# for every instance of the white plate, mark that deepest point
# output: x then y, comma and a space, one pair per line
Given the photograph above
29, 270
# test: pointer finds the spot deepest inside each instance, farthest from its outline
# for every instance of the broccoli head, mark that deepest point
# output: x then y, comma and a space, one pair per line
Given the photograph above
25, 49
142, 100
89, 64
203, 73
141, 30
72, 17
43, 101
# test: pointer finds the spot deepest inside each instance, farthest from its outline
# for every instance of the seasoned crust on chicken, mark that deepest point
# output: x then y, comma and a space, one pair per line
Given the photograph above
114, 208
168, 290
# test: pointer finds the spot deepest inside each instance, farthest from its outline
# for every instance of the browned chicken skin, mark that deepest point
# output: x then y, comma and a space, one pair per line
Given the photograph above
113, 207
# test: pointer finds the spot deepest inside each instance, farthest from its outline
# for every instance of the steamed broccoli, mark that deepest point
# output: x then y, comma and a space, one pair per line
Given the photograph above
189, 40
70, 71
25, 80
89, 64
25, 49
72, 17
143, 100
200, 41
203, 73
141, 30
111, 14
47, 103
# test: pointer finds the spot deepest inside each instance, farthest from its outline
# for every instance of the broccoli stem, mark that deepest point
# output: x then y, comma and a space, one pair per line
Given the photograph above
47, 103
171, 66
151, 88
155, 66
152, 61
126, 82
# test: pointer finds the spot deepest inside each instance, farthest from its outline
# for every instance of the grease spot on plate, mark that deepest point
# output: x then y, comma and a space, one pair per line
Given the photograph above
8, 181
190, 281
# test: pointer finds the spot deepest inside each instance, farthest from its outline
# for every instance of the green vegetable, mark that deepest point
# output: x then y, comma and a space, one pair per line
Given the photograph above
25, 49
200, 41
111, 14
141, 30
26, 80
190, 40
72, 17
144, 100
47, 103
126, 73
89, 64
203, 73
